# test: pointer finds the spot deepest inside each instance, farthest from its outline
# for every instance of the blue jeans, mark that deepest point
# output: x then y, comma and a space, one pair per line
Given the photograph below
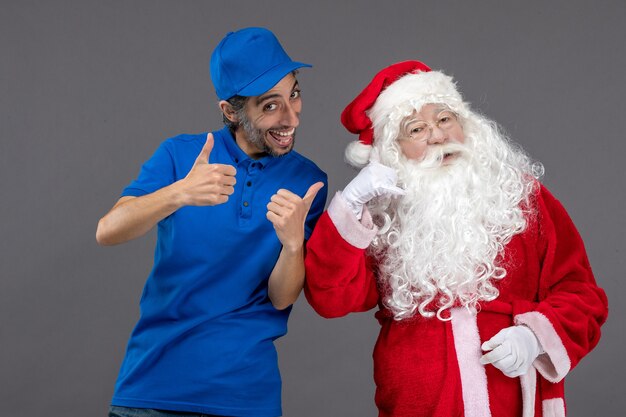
115, 411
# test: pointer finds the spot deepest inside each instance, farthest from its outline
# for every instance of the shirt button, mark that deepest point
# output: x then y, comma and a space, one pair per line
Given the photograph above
245, 204
248, 183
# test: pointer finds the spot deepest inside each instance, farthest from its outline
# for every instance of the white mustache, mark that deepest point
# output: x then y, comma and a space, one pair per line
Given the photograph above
434, 155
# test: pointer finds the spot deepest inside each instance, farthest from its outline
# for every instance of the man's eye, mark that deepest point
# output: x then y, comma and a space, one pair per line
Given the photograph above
445, 119
270, 107
296, 94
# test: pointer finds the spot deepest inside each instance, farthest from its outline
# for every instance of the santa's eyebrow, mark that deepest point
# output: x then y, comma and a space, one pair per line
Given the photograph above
406, 122
442, 109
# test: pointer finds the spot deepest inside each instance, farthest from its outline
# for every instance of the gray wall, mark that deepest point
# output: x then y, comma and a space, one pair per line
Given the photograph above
89, 89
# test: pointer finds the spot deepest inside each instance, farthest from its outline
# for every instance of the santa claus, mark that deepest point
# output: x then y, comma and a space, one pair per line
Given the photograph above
486, 297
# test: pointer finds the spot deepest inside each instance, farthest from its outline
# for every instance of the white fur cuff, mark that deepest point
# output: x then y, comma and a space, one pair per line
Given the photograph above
358, 234
554, 364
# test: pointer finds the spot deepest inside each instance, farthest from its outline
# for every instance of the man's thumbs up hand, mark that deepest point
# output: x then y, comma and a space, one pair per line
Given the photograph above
287, 212
311, 193
205, 153
208, 184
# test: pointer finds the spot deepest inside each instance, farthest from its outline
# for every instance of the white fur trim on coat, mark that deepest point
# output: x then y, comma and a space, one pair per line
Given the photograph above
553, 407
528, 382
473, 374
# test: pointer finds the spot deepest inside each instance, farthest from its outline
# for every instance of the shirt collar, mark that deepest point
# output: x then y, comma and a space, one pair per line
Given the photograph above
239, 156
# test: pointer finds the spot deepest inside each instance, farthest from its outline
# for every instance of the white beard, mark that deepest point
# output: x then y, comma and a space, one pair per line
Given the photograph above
441, 244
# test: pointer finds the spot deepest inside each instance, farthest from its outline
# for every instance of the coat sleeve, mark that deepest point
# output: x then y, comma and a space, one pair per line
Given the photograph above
571, 306
339, 277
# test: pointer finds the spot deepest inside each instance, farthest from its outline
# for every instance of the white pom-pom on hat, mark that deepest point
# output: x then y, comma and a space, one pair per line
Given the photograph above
357, 154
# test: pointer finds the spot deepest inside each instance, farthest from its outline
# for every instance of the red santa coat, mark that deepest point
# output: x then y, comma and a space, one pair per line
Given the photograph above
429, 367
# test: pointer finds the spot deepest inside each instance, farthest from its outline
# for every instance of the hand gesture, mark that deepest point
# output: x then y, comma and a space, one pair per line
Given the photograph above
287, 212
512, 350
208, 184
374, 180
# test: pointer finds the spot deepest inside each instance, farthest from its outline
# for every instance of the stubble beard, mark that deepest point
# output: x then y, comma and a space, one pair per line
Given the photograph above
256, 137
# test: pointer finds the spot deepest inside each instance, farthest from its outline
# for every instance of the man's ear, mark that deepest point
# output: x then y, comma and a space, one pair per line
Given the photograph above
228, 111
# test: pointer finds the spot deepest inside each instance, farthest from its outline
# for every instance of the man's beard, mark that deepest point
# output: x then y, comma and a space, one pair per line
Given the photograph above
256, 137
441, 243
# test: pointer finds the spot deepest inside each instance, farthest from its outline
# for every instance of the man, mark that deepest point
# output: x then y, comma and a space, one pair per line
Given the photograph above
233, 209
486, 297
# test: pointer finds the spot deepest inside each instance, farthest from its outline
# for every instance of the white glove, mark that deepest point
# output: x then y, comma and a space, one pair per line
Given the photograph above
374, 180
513, 350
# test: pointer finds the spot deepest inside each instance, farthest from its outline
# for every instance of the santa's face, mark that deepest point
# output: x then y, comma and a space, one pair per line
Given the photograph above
433, 126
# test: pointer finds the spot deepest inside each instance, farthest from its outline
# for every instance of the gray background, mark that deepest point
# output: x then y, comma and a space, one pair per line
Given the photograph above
89, 89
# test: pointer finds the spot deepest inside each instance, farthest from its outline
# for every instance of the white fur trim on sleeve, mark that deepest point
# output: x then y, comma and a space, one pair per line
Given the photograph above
358, 234
554, 364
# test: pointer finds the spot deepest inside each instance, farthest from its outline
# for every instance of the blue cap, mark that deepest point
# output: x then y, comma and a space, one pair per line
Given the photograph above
248, 63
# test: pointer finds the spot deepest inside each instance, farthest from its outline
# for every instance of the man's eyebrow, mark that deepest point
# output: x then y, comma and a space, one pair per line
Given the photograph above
263, 98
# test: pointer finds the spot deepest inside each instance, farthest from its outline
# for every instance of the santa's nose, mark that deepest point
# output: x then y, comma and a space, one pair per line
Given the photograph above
437, 135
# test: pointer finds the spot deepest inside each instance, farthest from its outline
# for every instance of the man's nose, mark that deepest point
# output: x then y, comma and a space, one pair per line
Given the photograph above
437, 135
290, 116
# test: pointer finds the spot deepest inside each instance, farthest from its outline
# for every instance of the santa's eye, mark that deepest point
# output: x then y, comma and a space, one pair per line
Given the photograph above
446, 118
417, 131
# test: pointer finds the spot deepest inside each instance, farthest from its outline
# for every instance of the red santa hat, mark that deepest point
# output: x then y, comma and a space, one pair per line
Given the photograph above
394, 93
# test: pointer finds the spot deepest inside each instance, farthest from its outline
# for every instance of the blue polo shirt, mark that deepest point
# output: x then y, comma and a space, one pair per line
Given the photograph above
204, 340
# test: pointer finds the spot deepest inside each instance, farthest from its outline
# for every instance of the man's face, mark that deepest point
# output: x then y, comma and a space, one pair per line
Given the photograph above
269, 121
433, 126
